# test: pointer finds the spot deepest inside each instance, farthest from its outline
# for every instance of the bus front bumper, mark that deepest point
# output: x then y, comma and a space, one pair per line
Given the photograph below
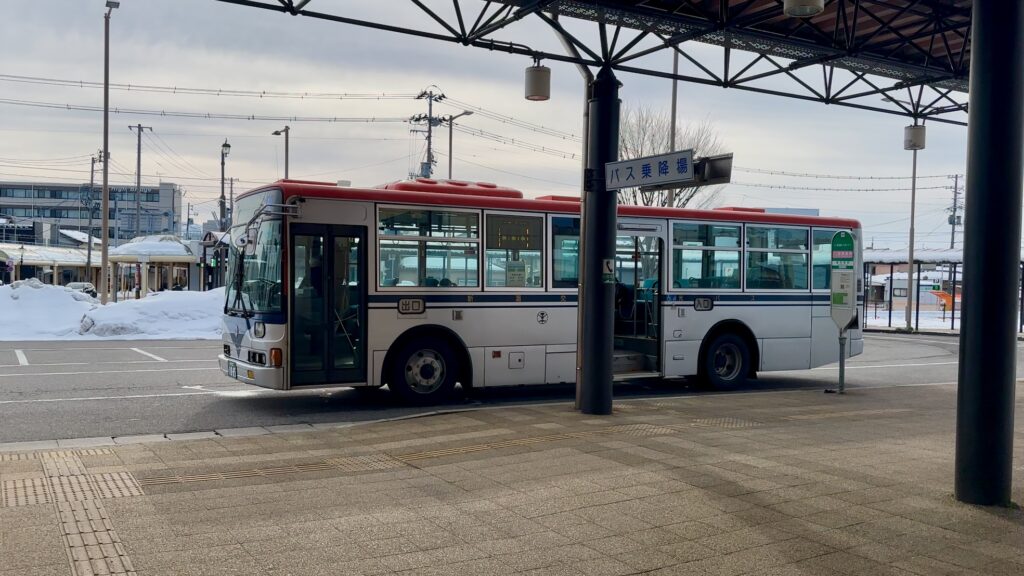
262, 376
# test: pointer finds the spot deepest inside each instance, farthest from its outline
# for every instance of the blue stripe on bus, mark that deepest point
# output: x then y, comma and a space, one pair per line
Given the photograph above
472, 298
719, 299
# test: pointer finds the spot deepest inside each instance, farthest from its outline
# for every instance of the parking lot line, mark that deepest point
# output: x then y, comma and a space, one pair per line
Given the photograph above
153, 356
31, 375
22, 361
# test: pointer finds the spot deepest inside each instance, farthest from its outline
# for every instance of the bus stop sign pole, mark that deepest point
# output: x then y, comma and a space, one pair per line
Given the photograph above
843, 296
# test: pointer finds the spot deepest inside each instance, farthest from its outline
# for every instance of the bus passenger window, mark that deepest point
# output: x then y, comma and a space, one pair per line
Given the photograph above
513, 257
565, 252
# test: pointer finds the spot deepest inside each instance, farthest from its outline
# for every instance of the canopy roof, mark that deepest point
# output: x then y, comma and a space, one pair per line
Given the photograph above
156, 248
924, 256
32, 255
906, 57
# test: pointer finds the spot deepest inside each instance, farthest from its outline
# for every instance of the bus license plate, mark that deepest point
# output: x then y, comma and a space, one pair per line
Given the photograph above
232, 370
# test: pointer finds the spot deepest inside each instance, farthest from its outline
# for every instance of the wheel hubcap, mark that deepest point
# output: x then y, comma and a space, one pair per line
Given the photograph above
728, 361
424, 371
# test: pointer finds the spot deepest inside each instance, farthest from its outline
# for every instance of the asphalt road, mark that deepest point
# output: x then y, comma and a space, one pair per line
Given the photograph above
57, 390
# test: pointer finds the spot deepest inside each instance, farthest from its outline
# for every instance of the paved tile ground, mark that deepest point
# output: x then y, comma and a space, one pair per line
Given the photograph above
784, 483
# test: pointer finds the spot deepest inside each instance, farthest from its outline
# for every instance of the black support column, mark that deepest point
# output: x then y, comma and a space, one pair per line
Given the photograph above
988, 346
597, 309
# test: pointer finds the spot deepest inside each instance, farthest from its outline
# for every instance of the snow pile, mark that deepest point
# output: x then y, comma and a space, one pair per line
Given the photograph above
163, 315
31, 310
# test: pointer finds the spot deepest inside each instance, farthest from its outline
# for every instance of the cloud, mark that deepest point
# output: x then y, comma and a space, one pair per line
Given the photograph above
203, 43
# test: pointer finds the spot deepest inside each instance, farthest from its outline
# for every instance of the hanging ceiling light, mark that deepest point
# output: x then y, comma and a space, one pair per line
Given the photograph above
538, 82
803, 8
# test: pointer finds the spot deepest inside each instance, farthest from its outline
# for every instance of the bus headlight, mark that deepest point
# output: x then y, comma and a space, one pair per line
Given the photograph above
259, 329
275, 357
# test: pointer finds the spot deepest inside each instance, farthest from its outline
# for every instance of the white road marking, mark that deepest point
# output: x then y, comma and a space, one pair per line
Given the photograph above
22, 361
214, 347
93, 398
27, 374
243, 393
889, 365
2, 366
153, 356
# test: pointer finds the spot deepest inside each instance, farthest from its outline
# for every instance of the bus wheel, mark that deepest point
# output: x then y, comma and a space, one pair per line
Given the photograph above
726, 361
424, 371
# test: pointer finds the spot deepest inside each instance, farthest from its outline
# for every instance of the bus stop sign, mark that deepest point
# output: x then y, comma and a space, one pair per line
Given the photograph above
843, 296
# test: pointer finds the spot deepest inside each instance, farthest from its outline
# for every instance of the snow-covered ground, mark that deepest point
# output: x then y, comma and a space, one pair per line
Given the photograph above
31, 310
930, 319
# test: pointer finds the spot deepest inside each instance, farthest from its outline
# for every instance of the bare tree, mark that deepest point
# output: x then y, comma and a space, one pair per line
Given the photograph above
646, 132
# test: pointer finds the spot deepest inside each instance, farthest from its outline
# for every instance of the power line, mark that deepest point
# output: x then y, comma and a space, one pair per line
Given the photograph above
831, 176
211, 91
517, 174
291, 95
827, 189
514, 142
505, 119
203, 115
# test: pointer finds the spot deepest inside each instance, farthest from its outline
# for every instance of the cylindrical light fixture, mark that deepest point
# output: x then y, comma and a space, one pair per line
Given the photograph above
802, 8
914, 137
538, 82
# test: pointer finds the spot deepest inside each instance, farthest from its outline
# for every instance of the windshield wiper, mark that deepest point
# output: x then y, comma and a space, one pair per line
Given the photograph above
239, 283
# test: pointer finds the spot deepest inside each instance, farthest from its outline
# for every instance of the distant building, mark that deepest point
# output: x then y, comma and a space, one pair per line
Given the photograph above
211, 226
65, 206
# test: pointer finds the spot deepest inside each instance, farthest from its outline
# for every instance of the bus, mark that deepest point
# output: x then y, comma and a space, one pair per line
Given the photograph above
424, 284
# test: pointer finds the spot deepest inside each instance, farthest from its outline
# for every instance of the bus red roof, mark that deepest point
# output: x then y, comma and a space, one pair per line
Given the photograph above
398, 193
458, 187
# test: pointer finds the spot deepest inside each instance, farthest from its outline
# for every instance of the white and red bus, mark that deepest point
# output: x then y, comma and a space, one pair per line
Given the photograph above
425, 284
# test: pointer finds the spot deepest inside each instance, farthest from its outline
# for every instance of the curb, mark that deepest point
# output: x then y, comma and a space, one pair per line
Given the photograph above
926, 332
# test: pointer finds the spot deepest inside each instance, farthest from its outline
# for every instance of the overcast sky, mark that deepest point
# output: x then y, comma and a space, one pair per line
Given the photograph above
211, 45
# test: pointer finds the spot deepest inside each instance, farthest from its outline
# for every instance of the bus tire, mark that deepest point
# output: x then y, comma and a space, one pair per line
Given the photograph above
726, 362
424, 371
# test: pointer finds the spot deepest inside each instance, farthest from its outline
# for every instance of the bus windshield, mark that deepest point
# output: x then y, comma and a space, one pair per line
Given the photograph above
254, 278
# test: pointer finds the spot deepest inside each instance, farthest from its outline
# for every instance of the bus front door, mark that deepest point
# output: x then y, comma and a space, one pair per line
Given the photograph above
328, 305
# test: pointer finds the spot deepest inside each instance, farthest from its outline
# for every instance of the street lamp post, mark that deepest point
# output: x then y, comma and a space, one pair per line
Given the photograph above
451, 126
913, 139
105, 247
284, 131
225, 149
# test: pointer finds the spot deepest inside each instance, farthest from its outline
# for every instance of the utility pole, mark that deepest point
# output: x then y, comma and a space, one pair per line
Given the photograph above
952, 242
111, 5
139, 128
427, 168
89, 205
952, 219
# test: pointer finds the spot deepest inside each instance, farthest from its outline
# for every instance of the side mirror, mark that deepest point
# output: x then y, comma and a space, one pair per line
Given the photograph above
246, 243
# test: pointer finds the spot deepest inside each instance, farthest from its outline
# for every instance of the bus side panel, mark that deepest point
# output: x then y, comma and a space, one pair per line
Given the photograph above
785, 353
486, 329
684, 332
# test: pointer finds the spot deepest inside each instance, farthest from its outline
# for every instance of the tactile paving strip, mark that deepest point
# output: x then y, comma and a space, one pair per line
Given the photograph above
725, 422
115, 485
93, 545
71, 488
20, 456
28, 492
